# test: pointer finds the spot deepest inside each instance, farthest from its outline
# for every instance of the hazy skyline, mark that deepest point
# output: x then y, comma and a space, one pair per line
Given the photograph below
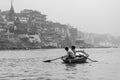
96, 16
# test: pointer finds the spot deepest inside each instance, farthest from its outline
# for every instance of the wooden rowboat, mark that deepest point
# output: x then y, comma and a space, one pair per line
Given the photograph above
75, 60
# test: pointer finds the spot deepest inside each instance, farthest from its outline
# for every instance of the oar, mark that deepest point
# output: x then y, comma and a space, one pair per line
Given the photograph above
52, 59
88, 55
89, 58
92, 60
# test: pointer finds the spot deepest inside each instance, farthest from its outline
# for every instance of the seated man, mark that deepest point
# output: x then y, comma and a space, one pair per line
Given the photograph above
82, 53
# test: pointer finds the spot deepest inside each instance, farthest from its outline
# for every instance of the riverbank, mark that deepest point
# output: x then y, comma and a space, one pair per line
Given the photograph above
51, 48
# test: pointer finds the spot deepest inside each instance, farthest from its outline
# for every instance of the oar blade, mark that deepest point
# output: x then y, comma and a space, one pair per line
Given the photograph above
95, 61
92, 60
47, 61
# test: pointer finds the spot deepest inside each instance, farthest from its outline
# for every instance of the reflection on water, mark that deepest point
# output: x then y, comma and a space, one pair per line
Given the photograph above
70, 67
29, 65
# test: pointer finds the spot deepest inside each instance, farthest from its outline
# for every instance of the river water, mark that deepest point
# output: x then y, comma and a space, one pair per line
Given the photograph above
29, 65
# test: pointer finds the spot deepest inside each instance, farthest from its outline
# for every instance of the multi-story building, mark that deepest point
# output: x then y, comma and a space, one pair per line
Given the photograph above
73, 35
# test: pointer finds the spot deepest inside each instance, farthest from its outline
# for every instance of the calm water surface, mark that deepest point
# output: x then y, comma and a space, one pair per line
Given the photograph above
28, 65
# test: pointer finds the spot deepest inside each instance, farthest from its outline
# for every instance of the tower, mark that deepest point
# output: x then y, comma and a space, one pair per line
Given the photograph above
11, 14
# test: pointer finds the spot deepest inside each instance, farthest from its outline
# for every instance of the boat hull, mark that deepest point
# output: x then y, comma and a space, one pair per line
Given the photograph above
75, 60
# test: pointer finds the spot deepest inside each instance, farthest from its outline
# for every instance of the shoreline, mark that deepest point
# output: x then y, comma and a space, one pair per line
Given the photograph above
49, 48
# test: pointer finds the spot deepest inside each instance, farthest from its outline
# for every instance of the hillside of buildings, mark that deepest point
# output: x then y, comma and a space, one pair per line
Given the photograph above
30, 29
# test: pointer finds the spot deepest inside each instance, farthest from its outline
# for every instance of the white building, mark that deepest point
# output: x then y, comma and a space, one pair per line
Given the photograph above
34, 38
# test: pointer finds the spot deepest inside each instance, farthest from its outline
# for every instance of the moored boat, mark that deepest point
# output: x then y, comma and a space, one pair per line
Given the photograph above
75, 60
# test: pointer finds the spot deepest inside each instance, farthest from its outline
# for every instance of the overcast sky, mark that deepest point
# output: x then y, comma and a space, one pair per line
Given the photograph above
96, 16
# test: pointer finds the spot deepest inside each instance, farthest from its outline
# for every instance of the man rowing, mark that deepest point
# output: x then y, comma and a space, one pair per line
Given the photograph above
84, 54
70, 54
